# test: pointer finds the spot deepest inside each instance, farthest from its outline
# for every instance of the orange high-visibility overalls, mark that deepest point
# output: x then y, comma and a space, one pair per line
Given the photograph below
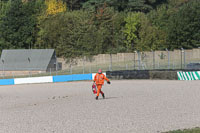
99, 79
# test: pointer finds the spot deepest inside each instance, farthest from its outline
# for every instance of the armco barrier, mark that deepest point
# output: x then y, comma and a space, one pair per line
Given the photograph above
46, 79
75, 77
62, 78
193, 75
31, 80
7, 82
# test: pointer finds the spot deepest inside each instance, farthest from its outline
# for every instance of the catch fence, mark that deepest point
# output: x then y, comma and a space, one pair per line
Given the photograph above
152, 60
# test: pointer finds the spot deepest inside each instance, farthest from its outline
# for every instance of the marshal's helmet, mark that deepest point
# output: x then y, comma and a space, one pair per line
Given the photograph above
100, 71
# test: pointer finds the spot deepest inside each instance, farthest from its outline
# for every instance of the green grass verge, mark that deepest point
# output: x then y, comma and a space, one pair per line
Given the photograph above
193, 130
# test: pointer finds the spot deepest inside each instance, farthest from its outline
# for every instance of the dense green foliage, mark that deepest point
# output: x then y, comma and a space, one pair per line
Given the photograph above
18, 24
184, 27
90, 27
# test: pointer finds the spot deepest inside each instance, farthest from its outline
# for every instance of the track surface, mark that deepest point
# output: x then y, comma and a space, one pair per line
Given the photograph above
131, 106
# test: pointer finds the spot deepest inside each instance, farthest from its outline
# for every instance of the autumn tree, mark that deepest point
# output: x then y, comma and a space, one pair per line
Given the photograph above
55, 6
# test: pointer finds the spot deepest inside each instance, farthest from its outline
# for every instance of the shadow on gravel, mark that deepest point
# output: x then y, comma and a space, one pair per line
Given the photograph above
111, 97
107, 98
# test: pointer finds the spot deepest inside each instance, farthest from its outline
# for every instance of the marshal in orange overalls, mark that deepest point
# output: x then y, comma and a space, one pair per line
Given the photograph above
99, 80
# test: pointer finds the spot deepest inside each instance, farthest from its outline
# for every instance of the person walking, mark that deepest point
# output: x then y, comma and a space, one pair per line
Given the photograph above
99, 80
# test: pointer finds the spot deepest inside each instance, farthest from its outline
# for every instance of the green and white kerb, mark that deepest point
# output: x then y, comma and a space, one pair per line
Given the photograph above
195, 75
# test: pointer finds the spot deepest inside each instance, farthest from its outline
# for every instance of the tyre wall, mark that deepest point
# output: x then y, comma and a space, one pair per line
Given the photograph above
155, 74
143, 74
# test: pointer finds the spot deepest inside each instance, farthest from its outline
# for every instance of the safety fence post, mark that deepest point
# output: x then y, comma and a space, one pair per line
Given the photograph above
139, 59
110, 66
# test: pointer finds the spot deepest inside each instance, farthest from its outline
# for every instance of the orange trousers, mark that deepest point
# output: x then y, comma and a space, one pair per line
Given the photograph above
99, 89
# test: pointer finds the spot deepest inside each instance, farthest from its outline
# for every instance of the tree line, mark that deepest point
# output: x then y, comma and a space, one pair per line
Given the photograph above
77, 28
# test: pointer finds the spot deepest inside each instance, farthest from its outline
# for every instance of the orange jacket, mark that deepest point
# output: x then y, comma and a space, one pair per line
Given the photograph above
99, 79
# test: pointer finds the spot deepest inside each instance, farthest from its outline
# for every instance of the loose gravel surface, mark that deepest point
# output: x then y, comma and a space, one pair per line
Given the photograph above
131, 106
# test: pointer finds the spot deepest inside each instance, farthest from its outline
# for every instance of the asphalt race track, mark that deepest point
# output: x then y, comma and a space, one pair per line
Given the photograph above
131, 106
